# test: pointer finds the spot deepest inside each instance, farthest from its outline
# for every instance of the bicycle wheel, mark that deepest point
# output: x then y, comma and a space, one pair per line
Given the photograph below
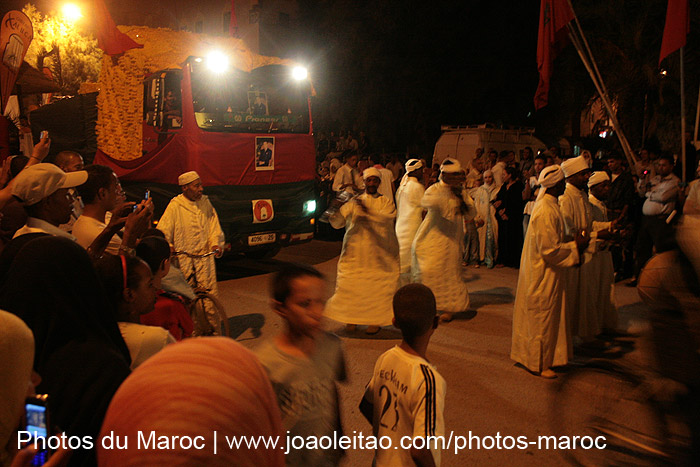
611, 403
209, 316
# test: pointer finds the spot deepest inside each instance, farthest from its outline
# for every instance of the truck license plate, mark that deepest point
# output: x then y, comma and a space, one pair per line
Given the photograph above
261, 239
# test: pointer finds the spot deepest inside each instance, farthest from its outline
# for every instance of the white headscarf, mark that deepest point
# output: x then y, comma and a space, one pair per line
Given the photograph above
411, 165
491, 187
549, 177
17, 350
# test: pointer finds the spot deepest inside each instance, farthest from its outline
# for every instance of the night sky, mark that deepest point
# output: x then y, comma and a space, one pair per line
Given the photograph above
399, 70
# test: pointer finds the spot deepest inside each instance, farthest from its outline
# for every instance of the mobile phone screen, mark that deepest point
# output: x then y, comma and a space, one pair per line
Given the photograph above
36, 424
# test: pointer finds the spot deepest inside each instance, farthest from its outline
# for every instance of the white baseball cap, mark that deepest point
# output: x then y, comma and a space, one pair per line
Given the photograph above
40, 181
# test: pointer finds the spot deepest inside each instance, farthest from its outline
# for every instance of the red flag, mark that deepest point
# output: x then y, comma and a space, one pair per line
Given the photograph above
109, 38
233, 23
554, 16
676, 29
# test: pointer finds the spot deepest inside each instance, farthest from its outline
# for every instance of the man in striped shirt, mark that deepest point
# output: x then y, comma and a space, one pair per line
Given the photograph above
405, 399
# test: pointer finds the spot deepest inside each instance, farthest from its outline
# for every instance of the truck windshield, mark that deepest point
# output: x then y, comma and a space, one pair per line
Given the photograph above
266, 100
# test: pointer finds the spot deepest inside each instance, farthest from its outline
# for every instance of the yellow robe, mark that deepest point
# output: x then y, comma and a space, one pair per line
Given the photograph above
437, 248
368, 268
540, 340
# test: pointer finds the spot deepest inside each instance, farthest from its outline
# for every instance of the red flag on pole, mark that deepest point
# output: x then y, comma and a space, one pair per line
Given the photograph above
233, 23
554, 16
109, 38
676, 29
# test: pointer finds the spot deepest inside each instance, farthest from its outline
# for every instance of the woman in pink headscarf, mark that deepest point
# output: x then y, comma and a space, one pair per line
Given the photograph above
192, 389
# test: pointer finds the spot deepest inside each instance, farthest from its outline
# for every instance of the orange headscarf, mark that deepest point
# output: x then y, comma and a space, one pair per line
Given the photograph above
193, 388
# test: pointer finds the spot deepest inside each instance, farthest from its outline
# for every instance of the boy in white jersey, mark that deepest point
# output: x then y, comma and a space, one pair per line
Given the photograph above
405, 399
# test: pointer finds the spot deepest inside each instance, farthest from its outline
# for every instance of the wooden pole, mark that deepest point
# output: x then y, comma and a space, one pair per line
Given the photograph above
603, 96
683, 149
697, 118
589, 62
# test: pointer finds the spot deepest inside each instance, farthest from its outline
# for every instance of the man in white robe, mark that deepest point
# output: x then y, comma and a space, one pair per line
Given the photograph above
368, 268
578, 217
540, 340
409, 215
437, 248
603, 275
191, 224
347, 178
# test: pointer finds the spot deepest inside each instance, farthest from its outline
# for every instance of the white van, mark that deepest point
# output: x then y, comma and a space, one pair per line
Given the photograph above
460, 142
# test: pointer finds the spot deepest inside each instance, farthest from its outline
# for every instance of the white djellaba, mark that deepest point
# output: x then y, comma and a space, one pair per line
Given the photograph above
409, 216
193, 226
540, 339
578, 216
437, 248
368, 268
601, 267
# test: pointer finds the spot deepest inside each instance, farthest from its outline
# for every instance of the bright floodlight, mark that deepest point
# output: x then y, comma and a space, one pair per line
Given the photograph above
299, 73
71, 12
217, 62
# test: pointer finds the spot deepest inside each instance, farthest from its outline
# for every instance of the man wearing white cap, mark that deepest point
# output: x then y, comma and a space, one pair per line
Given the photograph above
410, 214
191, 224
540, 340
603, 274
44, 189
578, 217
437, 248
368, 268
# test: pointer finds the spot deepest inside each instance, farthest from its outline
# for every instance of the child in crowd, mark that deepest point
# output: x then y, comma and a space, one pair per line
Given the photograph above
128, 283
304, 362
408, 385
170, 311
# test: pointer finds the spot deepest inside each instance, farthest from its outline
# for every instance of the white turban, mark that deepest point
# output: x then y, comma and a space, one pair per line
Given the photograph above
450, 165
574, 165
598, 177
187, 178
411, 165
549, 177
371, 172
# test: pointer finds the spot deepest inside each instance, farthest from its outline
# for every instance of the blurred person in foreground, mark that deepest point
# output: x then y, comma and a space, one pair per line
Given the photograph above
304, 363
195, 388
669, 286
79, 352
19, 381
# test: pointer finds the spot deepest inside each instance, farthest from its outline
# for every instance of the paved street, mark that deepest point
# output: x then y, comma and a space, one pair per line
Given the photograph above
486, 392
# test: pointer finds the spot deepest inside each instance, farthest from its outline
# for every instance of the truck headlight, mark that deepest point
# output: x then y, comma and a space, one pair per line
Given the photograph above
310, 206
